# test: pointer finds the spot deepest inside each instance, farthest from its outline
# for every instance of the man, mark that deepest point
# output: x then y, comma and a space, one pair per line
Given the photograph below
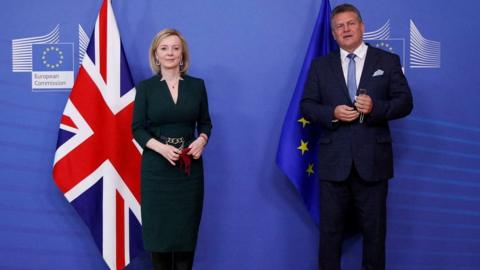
351, 95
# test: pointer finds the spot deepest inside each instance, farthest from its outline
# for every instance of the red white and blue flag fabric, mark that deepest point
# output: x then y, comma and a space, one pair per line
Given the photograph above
97, 162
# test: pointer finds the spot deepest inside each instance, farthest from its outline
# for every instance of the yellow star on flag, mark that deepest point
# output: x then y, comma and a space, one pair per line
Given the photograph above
310, 169
303, 146
303, 121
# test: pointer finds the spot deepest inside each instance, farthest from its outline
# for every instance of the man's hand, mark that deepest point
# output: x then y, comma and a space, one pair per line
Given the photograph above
345, 113
364, 104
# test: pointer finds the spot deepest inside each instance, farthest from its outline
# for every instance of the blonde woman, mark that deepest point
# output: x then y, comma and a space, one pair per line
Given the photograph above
171, 122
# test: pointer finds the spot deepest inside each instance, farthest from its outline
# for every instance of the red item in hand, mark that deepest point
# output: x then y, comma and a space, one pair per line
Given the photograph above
185, 160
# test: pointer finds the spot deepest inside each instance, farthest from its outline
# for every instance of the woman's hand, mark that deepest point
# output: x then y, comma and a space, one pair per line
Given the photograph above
169, 152
196, 147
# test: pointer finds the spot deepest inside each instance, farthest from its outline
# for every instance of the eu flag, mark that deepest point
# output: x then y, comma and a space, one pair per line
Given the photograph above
297, 153
52, 57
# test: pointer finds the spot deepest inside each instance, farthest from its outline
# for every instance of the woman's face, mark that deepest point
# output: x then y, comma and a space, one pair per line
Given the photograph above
169, 52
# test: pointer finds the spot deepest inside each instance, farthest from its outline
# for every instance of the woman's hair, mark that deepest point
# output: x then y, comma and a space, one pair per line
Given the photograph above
153, 47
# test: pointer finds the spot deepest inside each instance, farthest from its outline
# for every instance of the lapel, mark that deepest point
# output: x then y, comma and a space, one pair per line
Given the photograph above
183, 88
336, 65
370, 61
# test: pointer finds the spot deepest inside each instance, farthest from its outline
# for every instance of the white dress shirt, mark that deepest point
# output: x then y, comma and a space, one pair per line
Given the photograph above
361, 53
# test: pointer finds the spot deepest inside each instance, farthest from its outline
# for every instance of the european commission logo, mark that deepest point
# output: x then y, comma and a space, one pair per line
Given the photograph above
50, 62
424, 53
52, 66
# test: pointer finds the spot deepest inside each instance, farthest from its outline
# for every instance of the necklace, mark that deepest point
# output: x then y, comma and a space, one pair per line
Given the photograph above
172, 84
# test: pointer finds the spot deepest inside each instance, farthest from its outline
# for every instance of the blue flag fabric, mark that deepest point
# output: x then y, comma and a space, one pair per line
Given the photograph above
297, 149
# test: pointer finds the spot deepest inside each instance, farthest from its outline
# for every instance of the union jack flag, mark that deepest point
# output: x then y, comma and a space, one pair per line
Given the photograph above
97, 162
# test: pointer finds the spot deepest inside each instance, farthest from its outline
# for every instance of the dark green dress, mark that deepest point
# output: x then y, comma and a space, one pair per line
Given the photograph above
171, 200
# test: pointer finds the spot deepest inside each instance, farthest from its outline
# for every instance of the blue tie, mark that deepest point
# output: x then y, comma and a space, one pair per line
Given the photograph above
352, 77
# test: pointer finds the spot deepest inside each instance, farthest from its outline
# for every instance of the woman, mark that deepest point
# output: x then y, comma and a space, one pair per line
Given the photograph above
169, 108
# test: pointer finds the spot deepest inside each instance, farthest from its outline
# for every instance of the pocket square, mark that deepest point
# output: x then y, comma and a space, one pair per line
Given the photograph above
379, 72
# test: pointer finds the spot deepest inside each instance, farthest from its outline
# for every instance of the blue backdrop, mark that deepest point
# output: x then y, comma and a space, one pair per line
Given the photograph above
250, 54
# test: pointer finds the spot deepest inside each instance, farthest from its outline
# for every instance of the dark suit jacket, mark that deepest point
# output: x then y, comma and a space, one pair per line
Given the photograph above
367, 145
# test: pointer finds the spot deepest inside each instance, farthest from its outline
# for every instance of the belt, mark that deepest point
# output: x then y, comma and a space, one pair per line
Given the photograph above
178, 142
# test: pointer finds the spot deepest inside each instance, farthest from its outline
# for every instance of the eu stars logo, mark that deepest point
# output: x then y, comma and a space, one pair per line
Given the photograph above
393, 45
52, 66
52, 57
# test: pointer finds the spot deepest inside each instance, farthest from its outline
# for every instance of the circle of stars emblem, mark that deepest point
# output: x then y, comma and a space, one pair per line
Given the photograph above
385, 46
52, 57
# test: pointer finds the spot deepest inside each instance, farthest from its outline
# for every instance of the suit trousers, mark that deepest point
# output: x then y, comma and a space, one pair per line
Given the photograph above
367, 200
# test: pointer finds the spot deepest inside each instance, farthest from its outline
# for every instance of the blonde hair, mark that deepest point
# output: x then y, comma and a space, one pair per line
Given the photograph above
167, 32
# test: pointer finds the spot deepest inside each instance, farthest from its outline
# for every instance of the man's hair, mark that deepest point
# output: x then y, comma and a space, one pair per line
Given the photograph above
345, 8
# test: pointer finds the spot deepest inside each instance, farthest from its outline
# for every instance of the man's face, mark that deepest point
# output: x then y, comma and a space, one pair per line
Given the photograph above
347, 30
